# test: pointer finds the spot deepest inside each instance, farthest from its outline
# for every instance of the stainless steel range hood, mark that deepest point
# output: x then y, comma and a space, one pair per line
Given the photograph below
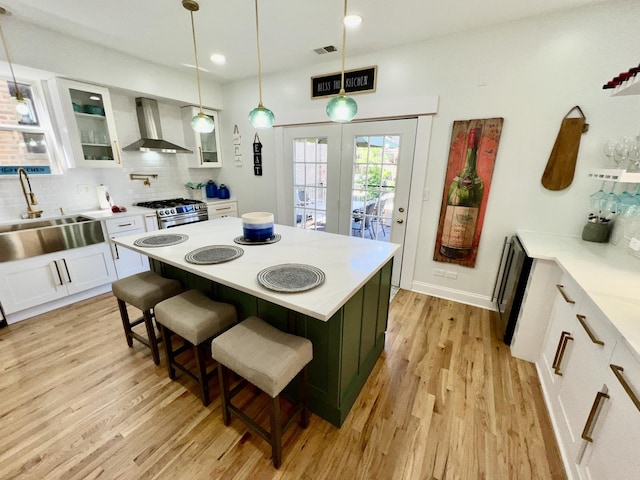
150, 130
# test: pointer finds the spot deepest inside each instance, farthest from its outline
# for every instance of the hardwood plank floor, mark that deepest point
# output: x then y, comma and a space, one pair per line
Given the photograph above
445, 401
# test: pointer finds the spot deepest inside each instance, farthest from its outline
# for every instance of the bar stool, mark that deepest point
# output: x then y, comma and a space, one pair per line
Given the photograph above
269, 359
197, 320
143, 291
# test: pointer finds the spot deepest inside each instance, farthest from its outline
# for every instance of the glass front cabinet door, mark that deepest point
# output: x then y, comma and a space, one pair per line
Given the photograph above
86, 123
205, 146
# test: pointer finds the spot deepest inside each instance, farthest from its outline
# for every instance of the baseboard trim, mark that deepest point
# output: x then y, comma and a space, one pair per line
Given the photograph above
460, 296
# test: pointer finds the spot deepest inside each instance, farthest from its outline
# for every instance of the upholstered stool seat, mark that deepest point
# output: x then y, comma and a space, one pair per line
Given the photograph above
143, 291
269, 359
197, 320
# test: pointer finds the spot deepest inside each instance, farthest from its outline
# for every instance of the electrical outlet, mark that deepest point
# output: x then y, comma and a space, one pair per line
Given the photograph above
451, 275
634, 244
438, 272
83, 188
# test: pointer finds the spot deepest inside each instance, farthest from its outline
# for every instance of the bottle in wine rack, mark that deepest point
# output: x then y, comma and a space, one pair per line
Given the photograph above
463, 204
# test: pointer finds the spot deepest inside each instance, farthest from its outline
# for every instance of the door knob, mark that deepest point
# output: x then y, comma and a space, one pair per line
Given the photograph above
401, 210
400, 220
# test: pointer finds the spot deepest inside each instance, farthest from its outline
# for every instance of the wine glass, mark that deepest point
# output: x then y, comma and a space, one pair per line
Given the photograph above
610, 202
621, 152
596, 199
610, 150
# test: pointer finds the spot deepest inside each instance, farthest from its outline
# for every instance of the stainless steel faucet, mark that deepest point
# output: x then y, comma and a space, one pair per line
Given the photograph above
30, 197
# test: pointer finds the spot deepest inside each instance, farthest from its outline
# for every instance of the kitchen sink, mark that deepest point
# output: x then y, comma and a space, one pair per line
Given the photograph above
31, 238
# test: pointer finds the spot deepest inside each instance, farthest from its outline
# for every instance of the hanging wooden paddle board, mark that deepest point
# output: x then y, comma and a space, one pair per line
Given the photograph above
558, 174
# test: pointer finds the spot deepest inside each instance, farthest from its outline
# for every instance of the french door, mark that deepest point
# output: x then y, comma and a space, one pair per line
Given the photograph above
350, 179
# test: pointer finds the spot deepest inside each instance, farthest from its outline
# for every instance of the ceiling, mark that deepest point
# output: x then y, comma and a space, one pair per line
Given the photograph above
160, 30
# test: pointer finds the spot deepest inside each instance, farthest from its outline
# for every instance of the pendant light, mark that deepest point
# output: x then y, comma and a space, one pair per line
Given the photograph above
200, 123
260, 117
21, 106
342, 109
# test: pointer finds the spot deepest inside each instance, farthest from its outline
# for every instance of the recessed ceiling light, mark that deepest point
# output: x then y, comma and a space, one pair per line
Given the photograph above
352, 20
218, 59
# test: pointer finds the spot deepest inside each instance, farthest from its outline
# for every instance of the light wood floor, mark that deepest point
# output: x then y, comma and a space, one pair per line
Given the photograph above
445, 401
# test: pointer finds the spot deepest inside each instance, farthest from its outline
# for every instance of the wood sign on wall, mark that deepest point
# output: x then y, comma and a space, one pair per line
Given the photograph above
472, 156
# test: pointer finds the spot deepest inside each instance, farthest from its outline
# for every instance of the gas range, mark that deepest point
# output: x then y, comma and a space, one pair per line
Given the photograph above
177, 211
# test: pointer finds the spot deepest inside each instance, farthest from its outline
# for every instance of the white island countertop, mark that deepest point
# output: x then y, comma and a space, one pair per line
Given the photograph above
609, 276
347, 262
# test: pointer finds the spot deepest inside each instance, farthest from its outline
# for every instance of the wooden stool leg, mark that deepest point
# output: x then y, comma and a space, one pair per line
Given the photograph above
201, 366
276, 432
151, 334
168, 351
304, 391
126, 324
224, 393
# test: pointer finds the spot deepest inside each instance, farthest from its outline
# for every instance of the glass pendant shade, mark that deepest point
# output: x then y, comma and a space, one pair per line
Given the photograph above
202, 123
342, 109
261, 117
22, 108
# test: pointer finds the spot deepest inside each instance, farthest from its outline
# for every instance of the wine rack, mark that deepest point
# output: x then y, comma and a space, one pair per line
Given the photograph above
615, 175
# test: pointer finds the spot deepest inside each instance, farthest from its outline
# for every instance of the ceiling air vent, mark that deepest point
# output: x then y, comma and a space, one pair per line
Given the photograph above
327, 49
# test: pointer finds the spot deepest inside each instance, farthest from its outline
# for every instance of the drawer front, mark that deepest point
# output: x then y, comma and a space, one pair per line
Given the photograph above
220, 210
118, 225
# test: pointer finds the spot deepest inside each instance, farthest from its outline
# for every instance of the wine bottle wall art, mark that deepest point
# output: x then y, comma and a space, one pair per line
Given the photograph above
472, 155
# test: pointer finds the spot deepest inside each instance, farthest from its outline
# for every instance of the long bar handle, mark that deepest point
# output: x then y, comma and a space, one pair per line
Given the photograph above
594, 339
58, 271
116, 152
117, 257
564, 294
562, 351
617, 370
554, 365
201, 156
66, 267
586, 432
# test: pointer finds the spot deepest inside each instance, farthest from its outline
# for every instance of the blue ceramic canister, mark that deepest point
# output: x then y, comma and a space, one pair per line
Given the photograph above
211, 189
223, 191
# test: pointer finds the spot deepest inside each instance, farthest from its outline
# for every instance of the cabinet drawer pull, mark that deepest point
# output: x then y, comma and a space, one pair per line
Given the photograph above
594, 339
66, 267
125, 224
617, 370
586, 432
554, 365
564, 294
58, 271
201, 156
560, 354
222, 209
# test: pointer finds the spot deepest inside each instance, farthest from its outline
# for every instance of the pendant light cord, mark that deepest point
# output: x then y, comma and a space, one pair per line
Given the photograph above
344, 47
13, 75
259, 63
195, 52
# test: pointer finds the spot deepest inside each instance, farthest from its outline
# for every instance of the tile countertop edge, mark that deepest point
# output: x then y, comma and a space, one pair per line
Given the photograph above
318, 305
609, 276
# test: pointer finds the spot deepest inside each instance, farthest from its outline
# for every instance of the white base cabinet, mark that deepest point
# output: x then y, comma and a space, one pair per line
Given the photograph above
127, 262
34, 281
222, 209
598, 438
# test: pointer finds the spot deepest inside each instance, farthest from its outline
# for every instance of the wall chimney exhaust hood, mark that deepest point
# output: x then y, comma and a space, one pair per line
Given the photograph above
150, 130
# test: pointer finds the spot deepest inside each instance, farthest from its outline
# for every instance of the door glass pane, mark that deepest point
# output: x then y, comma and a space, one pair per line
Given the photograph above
374, 181
310, 182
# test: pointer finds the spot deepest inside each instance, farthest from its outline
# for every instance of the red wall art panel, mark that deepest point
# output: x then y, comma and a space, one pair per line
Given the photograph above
472, 155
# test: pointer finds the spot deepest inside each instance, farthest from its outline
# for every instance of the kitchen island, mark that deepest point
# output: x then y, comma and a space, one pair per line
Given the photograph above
345, 317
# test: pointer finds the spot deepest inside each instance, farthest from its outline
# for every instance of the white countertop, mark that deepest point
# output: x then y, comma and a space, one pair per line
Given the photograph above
609, 276
348, 262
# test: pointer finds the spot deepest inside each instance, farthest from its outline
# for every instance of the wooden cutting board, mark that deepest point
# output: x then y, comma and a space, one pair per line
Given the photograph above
558, 174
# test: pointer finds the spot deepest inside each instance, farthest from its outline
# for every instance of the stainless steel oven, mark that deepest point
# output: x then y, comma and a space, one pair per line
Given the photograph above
177, 211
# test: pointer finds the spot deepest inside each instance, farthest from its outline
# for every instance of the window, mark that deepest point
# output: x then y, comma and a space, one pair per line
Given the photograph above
25, 140
310, 182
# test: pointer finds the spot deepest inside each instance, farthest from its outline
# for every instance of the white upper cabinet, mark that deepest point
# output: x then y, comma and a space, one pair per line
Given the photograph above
86, 124
205, 146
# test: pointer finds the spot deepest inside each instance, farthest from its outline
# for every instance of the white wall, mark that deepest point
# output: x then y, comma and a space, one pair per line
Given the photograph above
530, 72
